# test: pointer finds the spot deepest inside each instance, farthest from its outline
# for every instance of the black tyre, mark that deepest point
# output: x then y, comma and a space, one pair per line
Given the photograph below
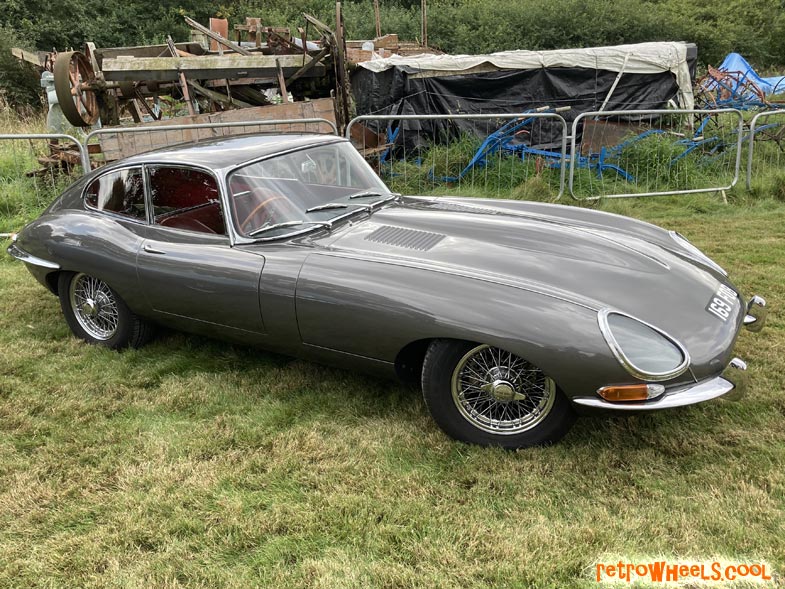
488, 396
98, 315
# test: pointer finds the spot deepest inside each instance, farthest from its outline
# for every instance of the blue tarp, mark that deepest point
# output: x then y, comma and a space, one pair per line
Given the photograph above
736, 63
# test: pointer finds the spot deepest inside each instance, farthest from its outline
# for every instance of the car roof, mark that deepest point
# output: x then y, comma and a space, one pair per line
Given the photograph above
227, 152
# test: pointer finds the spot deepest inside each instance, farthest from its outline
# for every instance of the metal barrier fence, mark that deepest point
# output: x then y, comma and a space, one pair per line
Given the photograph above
767, 141
421, 157
33, 170
614, 154
118, 142
654, 152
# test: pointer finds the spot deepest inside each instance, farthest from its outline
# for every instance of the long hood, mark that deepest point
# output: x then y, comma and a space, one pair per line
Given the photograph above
593, 259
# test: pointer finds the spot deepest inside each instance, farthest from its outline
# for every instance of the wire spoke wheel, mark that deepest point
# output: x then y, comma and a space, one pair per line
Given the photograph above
499, 392
95, 306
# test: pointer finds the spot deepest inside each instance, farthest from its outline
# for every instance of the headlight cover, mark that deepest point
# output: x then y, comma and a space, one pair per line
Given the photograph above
694, 253
645, 352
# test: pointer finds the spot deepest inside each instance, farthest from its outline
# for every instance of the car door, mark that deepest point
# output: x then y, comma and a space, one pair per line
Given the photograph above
186, 266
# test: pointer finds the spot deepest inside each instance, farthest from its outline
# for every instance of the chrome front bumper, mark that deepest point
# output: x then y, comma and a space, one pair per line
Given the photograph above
755, 318
731, 385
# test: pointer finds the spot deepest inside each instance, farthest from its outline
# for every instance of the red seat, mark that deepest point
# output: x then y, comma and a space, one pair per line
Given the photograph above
205, 219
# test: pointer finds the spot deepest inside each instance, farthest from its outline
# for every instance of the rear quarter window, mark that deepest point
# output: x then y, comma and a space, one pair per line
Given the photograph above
120, 192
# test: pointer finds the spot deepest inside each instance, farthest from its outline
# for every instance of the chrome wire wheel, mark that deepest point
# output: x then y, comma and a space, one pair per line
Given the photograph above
501, 393
94, 306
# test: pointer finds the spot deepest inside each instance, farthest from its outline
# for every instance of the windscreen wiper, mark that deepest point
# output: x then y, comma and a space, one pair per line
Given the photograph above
326, 206
285, 224
367, 193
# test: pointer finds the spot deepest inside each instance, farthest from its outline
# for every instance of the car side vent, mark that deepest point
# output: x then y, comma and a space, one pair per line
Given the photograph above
408, 238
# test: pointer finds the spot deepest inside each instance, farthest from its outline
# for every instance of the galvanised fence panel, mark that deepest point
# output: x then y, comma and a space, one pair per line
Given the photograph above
766, 152
624, 154
34, 168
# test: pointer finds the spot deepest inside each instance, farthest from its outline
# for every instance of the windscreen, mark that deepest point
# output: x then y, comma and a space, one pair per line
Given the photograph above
307, 186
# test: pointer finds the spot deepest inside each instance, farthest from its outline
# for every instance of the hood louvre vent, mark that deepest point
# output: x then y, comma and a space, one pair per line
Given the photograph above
408, 238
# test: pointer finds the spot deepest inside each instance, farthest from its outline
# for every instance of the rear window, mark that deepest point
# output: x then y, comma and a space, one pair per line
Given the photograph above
120, 192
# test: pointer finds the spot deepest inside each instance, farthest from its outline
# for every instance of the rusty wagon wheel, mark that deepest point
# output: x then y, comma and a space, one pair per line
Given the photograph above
73, 77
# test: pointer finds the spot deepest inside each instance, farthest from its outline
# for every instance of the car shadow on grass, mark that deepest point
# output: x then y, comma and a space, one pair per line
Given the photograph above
204, 378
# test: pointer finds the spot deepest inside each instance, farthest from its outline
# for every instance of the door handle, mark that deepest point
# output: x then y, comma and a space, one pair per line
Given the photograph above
151, 250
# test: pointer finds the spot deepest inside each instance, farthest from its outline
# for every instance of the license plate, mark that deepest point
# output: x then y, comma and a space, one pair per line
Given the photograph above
722, 303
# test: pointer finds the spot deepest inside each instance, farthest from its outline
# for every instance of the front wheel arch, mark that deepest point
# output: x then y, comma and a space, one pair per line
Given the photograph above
526, 413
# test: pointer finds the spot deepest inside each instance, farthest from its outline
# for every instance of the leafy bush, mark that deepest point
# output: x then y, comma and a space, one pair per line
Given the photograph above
18, 80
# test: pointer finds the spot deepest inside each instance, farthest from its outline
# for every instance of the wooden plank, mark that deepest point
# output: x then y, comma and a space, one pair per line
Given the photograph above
204, 67
389, 41
181, 75
118, 146
215, 36
282, 82
217, 96
308, 66
37, 58
239, 82
221, 27
145, 51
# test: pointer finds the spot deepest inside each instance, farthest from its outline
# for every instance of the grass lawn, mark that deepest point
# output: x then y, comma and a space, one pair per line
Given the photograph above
192, 463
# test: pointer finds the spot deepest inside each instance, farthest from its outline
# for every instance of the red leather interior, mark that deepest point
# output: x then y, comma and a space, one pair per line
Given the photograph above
181, 188
191, 190
205, 219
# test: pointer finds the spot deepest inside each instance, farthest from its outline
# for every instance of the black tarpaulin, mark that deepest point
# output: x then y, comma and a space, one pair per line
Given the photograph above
403, 89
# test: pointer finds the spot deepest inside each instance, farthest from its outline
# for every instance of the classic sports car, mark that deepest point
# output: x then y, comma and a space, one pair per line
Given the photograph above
513, 315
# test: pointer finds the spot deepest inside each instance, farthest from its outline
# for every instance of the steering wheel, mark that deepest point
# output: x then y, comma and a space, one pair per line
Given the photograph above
260, 209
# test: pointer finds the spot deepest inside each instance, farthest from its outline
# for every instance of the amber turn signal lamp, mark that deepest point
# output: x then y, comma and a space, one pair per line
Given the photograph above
631, 392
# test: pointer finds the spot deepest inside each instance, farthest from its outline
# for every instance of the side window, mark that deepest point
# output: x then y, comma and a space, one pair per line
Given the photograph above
184, 198
120, 192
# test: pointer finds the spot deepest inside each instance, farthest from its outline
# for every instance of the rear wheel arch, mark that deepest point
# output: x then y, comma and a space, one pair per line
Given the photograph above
105, 319
52, 281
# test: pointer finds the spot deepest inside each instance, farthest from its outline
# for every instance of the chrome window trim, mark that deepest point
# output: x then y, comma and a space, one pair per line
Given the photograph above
693, 253
148, 193
114, 214
629, 366
228, 172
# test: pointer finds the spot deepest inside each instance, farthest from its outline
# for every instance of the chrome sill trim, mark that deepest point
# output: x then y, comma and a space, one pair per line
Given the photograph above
20, 254
732, 380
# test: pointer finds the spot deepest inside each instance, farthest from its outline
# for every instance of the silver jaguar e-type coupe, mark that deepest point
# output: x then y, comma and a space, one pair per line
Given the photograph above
514, 316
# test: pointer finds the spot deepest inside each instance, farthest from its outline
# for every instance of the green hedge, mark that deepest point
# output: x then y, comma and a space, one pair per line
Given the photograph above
754, 28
